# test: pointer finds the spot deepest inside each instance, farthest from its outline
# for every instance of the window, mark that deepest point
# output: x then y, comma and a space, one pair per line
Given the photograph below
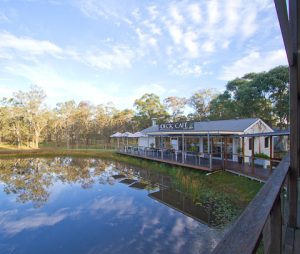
266, 142
250, 143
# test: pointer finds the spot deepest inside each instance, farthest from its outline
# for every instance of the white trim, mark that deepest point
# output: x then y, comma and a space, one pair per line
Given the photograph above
257, 121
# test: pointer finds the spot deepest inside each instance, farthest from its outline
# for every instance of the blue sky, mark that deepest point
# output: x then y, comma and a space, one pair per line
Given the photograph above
114, 51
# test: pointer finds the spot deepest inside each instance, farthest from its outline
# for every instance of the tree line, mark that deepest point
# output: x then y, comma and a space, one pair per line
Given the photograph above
25, 120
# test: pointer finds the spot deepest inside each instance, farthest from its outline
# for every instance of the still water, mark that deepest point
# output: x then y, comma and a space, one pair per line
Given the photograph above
75, 205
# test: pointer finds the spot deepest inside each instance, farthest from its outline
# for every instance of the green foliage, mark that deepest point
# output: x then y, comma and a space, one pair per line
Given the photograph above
264, 95
200, 102
261, 155
149, 106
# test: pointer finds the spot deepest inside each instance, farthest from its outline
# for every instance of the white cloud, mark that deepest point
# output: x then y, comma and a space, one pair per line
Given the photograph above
12, 226
59, 87
118, 57
120, 207
195, 11
28, 46
213, 12
175, 14
208, 46
190, 42
186, 69
253, 62
103, 9
176, 33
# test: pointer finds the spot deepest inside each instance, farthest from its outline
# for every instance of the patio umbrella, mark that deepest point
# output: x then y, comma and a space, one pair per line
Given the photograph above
137, 135
126, 135
117, 135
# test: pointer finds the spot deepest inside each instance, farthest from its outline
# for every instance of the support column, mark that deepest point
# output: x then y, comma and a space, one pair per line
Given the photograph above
271, 151
183, 149
225, 152
208, 143
243, 149
290, 28
294, 110
253, 146
201, 144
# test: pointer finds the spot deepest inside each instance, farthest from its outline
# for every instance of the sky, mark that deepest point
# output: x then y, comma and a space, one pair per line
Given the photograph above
106, 51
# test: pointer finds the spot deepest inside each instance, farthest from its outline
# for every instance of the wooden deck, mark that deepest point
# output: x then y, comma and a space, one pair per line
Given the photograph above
257, 173
170, 162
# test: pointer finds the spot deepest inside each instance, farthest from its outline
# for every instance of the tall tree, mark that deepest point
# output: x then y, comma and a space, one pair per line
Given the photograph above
200, 102
147, 107
35, 111
176, 105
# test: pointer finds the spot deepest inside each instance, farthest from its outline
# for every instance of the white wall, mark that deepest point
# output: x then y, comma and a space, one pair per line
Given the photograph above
143, 141
259, 142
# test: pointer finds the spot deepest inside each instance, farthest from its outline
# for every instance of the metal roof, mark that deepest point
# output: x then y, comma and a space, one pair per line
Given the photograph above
233, 125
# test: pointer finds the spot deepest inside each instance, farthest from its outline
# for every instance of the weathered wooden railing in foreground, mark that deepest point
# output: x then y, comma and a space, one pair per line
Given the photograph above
261, 220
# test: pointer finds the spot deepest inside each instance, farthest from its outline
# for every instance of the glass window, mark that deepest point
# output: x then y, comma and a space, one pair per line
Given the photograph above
266, 142
250, 143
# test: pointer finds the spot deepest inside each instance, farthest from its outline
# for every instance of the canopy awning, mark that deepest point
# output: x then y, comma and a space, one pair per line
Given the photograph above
117, 135
126, 134
137, 135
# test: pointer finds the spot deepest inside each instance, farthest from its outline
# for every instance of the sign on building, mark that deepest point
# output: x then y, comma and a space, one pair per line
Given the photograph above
179, 126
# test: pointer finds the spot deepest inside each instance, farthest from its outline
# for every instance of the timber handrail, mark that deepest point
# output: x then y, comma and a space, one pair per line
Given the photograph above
246, 232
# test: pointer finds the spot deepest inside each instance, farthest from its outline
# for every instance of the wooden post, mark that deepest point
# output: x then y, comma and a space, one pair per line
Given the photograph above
276, 227
183, 148
225, 152
271, 152
290, 28
253, 146
243, 149
212, 145
222, 147
294, 109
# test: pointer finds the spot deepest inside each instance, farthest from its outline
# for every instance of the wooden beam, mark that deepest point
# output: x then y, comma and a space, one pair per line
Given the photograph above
225, 152
271, 152
243, 149
253, 146
282, 14
294, 24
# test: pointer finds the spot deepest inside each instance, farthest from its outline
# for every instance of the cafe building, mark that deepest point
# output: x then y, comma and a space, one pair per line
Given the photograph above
221, 138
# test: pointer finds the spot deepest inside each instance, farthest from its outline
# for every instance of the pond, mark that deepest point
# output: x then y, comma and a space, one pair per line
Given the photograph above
79, 205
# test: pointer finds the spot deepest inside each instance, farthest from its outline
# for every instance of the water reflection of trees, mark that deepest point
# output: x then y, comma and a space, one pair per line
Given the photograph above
31, 179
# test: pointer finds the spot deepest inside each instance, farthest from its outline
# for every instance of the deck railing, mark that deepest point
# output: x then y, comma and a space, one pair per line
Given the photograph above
196, 159
203, 159
260, 225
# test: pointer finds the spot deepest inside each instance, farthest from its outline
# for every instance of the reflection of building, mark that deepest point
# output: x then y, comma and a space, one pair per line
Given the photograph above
228, 138
180, 202
160, 188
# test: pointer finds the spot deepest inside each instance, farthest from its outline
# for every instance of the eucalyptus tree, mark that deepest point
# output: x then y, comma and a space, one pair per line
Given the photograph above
176, 105
66, 117
200, 102
264, 95
34, 111
147, 107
